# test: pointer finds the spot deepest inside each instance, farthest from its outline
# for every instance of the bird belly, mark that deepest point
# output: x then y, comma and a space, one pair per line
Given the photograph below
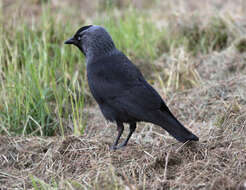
112, 114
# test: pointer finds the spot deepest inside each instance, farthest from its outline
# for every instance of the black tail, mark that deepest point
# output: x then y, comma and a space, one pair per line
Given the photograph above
165, 119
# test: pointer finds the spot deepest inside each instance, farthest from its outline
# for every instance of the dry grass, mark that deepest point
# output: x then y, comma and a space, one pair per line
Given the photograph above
206, 91
216, 162
153, 160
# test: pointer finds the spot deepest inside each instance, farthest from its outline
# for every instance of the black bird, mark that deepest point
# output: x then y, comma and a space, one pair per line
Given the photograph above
120, 90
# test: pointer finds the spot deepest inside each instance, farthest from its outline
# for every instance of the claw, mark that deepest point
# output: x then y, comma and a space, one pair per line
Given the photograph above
117, 147
113, 147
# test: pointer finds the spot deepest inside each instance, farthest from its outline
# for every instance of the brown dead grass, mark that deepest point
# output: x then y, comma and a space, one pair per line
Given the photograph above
217, 162
153, 160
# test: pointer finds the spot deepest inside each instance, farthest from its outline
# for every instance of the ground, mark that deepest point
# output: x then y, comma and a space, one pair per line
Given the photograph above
203, 81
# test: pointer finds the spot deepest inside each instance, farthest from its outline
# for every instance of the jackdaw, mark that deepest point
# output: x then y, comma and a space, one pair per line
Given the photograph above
119, 88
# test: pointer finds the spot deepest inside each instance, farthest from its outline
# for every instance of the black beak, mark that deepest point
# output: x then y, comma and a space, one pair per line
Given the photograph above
70, 41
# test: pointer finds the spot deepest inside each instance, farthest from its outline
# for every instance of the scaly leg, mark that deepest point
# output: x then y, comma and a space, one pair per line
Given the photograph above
132, 129
120, 129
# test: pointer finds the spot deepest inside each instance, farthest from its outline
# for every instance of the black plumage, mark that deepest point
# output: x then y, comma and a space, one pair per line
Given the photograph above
119, 88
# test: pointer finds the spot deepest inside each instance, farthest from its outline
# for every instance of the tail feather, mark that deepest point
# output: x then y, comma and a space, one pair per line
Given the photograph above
167, 121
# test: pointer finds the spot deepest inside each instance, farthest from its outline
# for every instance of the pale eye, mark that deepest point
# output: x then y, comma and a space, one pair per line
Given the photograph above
79, 38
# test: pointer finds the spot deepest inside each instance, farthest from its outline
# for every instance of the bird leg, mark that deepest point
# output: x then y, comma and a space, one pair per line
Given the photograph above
120, 129
132, 129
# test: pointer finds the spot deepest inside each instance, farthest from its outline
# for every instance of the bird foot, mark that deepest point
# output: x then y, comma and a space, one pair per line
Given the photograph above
114, 147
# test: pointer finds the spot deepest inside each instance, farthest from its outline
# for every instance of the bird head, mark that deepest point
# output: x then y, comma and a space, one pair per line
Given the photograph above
92, 40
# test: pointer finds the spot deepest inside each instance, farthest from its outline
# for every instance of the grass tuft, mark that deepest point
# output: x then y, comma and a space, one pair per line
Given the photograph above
37, 78
214, 36
134, 34
241, 45
177, 71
